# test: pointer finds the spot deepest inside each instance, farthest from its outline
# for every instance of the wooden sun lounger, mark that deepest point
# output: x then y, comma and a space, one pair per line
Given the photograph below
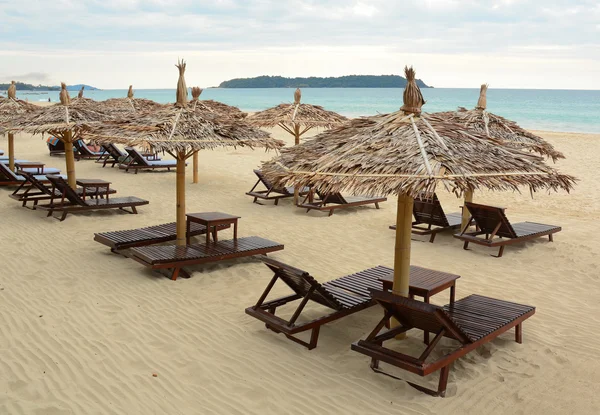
151, 235
10, 178
56, 149
173, 257
492, 222
345, 295
34, 190
113, 155
84, 152
332, 201
271, 192
472, 321
71, 202
428, 213
138, 162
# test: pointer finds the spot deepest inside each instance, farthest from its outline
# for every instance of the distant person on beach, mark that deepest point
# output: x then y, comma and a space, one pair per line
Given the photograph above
49, 100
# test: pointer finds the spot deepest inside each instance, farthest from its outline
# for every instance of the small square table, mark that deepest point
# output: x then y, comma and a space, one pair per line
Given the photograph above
31, 165
93, 183
211, 219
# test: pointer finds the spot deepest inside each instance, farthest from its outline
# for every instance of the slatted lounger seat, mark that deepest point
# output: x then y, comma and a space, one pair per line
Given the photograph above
174, 257
472, 321
331, 201
35, 191
119, 240
10, 178
344, 296
139, 162
429, 213
70, 201
272, 192
492, 222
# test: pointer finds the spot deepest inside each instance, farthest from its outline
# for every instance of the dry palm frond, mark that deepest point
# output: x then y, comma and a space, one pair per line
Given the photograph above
121, 106
304, 115
59, 118
480, 121
215, 107
80, 93
402, 153
181, 128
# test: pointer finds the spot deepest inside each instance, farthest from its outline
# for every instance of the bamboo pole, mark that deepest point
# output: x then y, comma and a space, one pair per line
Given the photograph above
180, 188
195, 158
70, 159
402, 250
465, 212
296, 134
11, 151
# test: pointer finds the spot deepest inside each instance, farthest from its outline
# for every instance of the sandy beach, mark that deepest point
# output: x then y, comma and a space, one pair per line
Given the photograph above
83, 330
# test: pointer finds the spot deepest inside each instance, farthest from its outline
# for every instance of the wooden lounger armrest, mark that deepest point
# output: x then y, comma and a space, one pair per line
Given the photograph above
383, 354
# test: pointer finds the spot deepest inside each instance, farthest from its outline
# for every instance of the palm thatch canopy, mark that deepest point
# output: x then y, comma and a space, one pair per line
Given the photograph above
216, 107
481, 121
120, 106
406, 152
305, 115
12, 108
68, 116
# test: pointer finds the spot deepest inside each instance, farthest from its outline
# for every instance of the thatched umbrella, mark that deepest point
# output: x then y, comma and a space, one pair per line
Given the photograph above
480, 121
408, 153
180, 131
129, 104
64, 121
296, 118
10, 109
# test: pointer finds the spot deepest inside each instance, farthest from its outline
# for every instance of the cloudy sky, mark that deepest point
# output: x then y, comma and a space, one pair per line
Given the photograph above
451, 43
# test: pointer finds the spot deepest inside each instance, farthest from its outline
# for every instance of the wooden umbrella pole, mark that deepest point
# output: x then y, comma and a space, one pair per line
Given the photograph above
195, 158
402, 251
181, 198
465, 212
70, 159
296, 134
11, 151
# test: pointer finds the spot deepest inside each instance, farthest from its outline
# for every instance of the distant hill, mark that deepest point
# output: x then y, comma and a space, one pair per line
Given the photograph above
21, 86
349, 81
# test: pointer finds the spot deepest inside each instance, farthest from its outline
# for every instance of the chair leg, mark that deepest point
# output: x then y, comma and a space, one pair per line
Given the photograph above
64, 215
377, 205
500, 252
443, 381
330, 212
277, 202
175, 274
551, 238
314, 337
519, 333
432, 237
466, 246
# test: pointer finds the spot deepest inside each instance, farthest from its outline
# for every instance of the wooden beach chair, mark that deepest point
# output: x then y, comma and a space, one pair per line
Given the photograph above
344, 296
34, 190
1, 152
174, 257
84, 152
71, 202
332, 201
493, 223
138, 162
472, 321
10, 178
271, 192
55, 146
113, 155
430, 218
151, 235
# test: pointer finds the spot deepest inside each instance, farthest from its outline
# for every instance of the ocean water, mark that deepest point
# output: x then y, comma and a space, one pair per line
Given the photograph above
554, 110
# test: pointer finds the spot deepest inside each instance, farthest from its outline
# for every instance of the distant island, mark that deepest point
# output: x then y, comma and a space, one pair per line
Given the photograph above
21, 86
349, 81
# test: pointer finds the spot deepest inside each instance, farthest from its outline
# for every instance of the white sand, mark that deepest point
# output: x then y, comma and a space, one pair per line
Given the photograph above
83, 330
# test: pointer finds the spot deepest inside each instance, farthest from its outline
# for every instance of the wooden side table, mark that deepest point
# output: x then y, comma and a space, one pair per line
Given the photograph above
211, 220
93, 183
425, 283
31, 165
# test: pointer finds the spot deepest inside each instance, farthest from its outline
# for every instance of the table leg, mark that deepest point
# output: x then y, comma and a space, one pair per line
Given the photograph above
83, 193
235, 230
452, 293
426, 333
215, 237
187, 230
207, 234
107, 192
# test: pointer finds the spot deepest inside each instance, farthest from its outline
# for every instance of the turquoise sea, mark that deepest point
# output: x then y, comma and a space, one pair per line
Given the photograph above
540, 109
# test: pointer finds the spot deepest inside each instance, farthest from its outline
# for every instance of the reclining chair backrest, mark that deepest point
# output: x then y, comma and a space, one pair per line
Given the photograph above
136, 156
429, 211
487, 219
63, 187
301, 282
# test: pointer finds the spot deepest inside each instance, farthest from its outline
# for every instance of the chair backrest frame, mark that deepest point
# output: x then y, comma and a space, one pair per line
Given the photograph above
429, 211
491, 220
63, 187
136, 156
